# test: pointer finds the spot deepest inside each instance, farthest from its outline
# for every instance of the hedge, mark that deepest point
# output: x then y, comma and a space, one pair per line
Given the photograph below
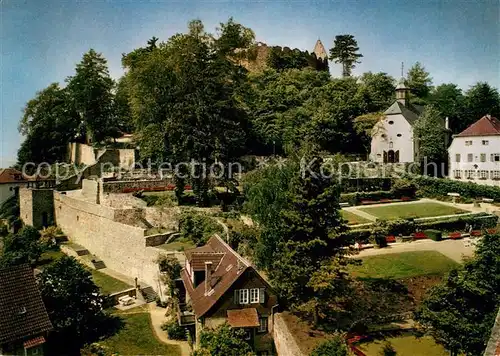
435, 235
400, 188
407, 227
351, 185
435, 187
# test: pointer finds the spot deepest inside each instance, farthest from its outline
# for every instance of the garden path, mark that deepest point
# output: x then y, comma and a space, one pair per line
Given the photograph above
157, 319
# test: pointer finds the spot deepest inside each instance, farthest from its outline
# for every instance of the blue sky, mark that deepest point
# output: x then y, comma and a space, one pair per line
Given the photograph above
42, 40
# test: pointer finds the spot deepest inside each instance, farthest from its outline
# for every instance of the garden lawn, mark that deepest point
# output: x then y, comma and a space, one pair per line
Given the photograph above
404, 265
179, 244
108, 284
407, 345
411, 210
137, 336
353, 219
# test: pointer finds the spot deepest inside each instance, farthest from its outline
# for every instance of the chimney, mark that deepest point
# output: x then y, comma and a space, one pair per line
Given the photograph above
447, 123
208, 276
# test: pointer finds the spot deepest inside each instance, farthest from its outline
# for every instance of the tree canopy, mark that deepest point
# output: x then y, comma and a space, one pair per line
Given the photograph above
345, 51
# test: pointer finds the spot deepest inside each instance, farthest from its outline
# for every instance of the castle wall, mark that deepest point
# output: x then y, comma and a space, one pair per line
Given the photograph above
135, 185
79, 153
36, 207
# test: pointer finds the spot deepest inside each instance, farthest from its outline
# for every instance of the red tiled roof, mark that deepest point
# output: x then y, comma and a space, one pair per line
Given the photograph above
22, 312
243, 318
198, 256
485, 126
11, 175
226, 273
34, 342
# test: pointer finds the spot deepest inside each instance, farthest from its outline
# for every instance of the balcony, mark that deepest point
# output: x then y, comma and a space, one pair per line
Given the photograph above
184, 315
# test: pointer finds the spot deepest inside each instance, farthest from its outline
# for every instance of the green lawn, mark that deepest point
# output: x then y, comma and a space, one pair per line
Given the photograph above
137, 336
411, 210
49, 257
405, 346
179, 244
404, 265
353, 219
108, 284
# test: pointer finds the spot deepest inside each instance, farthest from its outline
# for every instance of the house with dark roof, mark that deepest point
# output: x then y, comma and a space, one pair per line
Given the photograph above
24, 322
219, 286
474, 154
10, 181
392, 135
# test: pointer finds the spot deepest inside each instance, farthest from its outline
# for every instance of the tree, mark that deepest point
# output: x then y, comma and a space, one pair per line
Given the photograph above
22, 247
419, 82
122, 107
460, 312
336, 346
449, 100
345, 51
430, 134
223, 341
91, 91
378, 90
48, 124
74, 305
364, 126
481, 99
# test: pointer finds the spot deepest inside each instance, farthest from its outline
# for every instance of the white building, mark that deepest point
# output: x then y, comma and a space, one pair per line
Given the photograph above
392, 136
10, 180
475, 153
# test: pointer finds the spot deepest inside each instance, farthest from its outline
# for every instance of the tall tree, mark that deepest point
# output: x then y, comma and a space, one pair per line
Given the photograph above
419, 82
345, 51
449, 100
123, 111
48, 124
378, 91
73, 303
481, 99
22, 247
430, 135
91, 90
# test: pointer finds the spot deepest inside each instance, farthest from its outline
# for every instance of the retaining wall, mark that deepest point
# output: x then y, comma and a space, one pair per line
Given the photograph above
283, 340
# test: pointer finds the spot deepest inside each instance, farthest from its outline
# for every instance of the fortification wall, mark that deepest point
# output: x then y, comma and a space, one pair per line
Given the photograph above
122, 247
80, 153
285, 343
36, 207
134, 185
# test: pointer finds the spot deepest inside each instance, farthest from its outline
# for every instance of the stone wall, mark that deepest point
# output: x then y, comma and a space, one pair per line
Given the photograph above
283, 340
36, 207
79, 153
120, 200
166, 217
135, 185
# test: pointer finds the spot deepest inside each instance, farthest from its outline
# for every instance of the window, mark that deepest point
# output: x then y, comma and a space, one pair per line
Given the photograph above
483, 157
495, 157
241, 296
263, 324
391, 122
469, 174
470, 157
457, 173
483, 174
254, 295
486, 142
457, 157
399, 135
468, 143
495, 175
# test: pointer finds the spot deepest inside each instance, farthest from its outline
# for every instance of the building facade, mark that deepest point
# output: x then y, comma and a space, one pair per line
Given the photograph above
218, 287
474, 154
10, 182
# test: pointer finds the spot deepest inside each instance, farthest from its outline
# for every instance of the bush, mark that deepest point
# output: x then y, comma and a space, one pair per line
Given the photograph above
198, 227
378, 233
174, 330
404, 188
438, 187
333, 347
356, 198
350, 185
435, 235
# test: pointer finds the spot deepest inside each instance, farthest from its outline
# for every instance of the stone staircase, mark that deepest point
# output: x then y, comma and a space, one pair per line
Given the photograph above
149, 294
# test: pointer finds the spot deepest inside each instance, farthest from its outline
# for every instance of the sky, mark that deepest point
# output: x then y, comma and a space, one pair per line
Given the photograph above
42, 40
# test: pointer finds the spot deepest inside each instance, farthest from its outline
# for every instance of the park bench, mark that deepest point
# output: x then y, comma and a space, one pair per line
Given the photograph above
390, 239
419, 235
455, 235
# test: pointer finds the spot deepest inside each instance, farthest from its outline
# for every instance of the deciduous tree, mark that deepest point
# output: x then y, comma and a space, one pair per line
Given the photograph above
223, 341
419, 82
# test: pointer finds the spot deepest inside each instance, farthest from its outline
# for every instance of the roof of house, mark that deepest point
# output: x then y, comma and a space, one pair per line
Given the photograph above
227, 266
243, 318
11, 175
22, 312
410, 112
485, 126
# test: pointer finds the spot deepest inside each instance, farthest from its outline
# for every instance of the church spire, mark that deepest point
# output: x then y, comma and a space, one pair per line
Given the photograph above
402, 90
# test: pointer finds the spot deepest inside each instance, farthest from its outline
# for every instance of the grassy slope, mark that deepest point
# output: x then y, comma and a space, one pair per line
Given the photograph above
137, 336
404, 265
411, 210
405, 346
108, 284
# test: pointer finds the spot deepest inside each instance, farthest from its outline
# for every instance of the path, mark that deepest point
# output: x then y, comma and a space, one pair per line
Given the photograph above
157, 319
454, 249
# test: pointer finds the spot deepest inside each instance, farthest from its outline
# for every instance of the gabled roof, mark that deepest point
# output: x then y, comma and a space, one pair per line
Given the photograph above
225, 273
485, 126
11, 175
22, 312
410, 112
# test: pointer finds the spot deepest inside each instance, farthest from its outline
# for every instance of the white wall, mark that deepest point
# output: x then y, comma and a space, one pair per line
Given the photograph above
403, 143
458, 146
7, 190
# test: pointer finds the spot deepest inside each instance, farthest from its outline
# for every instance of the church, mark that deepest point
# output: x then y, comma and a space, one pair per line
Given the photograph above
392, 135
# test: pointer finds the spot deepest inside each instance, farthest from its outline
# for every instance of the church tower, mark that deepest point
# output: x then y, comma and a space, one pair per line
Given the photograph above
402, 91
320, 51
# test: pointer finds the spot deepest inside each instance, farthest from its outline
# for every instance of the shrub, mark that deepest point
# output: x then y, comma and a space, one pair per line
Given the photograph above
198, 227
404, 188
436, 187
366, 184
174, 330
333, 347
378, 233
435, 235
357, 198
